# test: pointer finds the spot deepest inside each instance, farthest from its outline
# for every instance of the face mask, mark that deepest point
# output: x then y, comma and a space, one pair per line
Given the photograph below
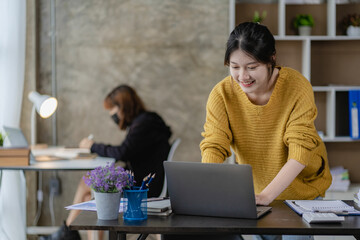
115, 118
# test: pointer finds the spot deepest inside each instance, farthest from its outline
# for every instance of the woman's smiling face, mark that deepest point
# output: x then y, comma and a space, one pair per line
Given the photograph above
252, 76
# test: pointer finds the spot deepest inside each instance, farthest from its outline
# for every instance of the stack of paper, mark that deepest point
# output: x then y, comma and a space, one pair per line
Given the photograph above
340, 181
159, 207
357, 198
60, 153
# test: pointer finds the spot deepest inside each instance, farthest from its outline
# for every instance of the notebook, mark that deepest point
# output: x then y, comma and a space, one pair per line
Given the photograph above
211, 189
326, 206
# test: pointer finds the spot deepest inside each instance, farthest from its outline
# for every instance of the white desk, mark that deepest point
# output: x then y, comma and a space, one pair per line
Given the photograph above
73, 164
67, 165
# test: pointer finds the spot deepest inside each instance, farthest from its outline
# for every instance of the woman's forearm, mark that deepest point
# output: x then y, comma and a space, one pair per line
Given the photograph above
281, 181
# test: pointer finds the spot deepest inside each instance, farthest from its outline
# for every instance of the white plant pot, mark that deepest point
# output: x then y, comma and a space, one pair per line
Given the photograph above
305, 30
353, 31
107, 205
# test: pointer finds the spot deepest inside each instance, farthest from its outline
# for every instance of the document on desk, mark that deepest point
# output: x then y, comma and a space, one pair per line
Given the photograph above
323, 206
61, 153
159, 207
89, 206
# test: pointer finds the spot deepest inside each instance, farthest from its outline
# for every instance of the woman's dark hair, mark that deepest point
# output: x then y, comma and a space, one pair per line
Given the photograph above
253, 38
129, 103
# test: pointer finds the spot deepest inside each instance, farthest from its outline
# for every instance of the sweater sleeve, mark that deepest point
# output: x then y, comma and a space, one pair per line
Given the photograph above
301, 136
120, 152
215, 147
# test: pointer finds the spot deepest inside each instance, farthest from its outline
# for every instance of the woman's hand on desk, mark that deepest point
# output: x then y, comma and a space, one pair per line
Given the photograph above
86, 143
262, 199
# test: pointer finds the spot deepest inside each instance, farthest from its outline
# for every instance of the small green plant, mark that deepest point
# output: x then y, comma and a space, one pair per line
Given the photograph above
2, 137
257, 18
351, 20
303, 20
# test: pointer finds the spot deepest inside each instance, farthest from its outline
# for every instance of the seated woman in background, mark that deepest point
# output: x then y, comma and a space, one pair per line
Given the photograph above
143, 151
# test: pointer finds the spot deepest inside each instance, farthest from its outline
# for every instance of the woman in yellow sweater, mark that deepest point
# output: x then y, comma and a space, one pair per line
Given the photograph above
266, 114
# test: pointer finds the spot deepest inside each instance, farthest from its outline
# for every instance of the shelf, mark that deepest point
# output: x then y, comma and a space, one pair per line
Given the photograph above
315, 38
335, 88
339, 139
327, 58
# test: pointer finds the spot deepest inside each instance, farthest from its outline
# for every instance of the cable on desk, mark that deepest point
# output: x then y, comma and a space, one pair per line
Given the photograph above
39, 199
51, 207
54, 190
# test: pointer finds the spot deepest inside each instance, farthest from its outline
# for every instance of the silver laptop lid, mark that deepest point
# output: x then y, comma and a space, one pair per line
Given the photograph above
210, 189
15, 137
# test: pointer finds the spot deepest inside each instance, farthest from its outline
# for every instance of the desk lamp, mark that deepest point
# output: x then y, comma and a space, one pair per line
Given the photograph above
44, 105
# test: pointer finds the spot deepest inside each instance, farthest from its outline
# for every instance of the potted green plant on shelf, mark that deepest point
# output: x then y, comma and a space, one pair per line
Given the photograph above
259, 18
304, 23
351, 24
2, 137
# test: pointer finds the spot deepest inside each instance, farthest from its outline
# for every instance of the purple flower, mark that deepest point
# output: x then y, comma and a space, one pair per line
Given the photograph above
109, 179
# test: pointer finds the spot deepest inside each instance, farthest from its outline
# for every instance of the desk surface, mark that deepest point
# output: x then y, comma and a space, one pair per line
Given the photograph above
282, 220
73, 164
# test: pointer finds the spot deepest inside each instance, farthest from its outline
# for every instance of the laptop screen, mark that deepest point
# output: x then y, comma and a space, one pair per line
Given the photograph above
212, 189
15, 137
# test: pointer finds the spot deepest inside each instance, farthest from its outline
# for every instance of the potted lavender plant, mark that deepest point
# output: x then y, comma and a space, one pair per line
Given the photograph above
108, 183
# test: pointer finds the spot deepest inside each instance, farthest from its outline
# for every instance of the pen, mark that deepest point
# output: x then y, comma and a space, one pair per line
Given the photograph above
144, 181
152, 177
91, 137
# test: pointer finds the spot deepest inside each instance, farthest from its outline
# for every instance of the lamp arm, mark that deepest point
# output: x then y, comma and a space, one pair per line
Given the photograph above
33, 126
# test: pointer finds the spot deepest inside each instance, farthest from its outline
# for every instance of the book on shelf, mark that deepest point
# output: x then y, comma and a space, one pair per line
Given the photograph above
14, 152
342, 114
354, 104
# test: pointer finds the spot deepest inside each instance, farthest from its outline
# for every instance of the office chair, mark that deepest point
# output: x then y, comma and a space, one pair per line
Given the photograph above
174, 146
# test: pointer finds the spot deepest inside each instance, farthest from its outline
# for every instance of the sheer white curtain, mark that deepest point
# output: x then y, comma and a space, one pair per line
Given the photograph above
12, 64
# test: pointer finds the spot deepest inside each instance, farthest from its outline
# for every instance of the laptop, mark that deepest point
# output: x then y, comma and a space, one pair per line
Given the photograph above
15, 137
212, 189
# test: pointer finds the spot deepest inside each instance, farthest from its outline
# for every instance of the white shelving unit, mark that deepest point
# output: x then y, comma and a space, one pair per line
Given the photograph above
331, 111
306, 42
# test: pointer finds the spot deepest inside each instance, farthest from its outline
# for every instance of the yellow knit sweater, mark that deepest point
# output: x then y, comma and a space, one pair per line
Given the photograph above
267, 136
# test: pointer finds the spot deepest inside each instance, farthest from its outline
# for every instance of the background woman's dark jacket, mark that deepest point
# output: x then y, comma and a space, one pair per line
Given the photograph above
144, 149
